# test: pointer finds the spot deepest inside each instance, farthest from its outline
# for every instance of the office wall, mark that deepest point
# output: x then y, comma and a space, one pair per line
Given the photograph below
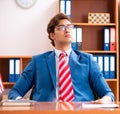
23, 31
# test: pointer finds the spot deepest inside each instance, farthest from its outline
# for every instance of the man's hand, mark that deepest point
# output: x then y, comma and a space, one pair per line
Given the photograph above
103, 100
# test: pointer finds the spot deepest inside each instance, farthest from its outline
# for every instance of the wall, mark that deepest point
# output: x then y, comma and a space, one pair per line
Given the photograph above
23, 31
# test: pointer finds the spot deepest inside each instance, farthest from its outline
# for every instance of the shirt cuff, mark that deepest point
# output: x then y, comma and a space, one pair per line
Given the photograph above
18, 98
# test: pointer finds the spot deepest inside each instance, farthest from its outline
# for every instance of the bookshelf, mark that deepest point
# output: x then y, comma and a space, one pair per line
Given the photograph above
4, 68
92, 34
119, 34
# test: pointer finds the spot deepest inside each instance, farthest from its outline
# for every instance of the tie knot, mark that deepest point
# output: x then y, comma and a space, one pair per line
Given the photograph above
63, 54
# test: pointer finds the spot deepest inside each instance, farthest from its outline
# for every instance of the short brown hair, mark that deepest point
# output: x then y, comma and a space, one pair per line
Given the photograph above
54, 22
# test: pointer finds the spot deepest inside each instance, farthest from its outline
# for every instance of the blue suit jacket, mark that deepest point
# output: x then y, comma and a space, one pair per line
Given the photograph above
40, 75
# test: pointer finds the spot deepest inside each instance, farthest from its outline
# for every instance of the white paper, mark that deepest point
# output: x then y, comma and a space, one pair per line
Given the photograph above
100, 105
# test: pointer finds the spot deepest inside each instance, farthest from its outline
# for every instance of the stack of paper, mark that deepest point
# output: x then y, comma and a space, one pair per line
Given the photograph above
17, 102
87, 105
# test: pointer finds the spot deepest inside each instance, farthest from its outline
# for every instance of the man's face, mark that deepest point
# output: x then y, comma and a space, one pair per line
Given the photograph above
63, 33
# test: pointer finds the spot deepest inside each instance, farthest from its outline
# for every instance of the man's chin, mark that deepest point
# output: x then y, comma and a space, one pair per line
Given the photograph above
66, 43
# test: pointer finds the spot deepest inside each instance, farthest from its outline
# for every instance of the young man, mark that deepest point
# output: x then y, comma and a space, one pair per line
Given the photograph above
42, 73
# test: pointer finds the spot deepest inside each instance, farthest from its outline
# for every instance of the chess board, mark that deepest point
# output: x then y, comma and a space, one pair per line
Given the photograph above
98, 18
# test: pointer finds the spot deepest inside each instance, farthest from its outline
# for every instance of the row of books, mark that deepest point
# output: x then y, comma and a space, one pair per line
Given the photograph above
14, 69
107, 65
109, 39
65, 7
109, 43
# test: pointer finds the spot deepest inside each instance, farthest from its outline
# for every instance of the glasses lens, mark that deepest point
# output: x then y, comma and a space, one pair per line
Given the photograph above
62, 27
70, 27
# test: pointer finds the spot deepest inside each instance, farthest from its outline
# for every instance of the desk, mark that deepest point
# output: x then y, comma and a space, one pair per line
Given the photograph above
56, 108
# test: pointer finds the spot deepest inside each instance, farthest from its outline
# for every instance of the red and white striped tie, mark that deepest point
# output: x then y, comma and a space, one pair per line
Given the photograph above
65, 82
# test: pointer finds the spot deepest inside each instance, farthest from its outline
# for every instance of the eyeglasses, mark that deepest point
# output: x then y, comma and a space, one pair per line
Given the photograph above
63, 27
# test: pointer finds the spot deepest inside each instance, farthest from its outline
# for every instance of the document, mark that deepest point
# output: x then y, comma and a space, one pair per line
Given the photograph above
17, 102
87, 105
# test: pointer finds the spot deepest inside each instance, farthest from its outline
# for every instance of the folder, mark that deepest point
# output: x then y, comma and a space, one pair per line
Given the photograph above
79, 38
68, 8
62, 6
100, 62
11, 70
106, 38
74, 45
106, 66
112, 66
95, 58
112, 39
17, 69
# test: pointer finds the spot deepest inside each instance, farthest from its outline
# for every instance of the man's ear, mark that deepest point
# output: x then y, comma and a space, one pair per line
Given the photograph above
52, 35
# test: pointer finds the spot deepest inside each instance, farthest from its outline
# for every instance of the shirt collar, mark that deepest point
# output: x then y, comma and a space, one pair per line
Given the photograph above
57, 52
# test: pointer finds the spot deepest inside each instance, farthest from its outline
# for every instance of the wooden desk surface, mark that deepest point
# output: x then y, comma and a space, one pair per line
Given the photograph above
56, 108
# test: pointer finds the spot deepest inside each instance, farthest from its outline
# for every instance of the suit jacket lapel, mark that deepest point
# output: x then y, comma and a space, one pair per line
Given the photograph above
52, 67
74, 58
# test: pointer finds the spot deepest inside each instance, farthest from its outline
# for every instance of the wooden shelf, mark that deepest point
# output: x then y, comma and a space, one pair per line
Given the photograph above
4, 68
87, 24
92, 34
101, 51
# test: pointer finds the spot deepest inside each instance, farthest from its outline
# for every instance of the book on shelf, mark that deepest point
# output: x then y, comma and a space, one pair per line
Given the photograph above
11, 70
17, 69
112, 39
106, 37
107, 65
109, 39
62, 6
65, 7
79, 38
74, 44
100, 62
112, 67
17, 102
14, 69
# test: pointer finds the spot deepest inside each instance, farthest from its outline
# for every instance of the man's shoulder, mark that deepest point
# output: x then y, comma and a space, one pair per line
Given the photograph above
43, 55
81, 53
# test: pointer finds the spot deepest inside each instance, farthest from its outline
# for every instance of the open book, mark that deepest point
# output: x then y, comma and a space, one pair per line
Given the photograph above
17, 102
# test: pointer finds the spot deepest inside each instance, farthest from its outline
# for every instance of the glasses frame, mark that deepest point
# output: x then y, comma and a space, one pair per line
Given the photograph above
63, 27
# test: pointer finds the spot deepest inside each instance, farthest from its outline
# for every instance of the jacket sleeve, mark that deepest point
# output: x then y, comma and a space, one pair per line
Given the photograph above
24, 84
97, 81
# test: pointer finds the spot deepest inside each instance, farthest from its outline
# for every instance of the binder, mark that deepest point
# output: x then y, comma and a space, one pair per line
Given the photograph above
106, 38
17, 69
112, 66
74, 45
68, 8
62, 6
106, 66
100, 62
112, 39
11, 70
95, 58
79, 38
